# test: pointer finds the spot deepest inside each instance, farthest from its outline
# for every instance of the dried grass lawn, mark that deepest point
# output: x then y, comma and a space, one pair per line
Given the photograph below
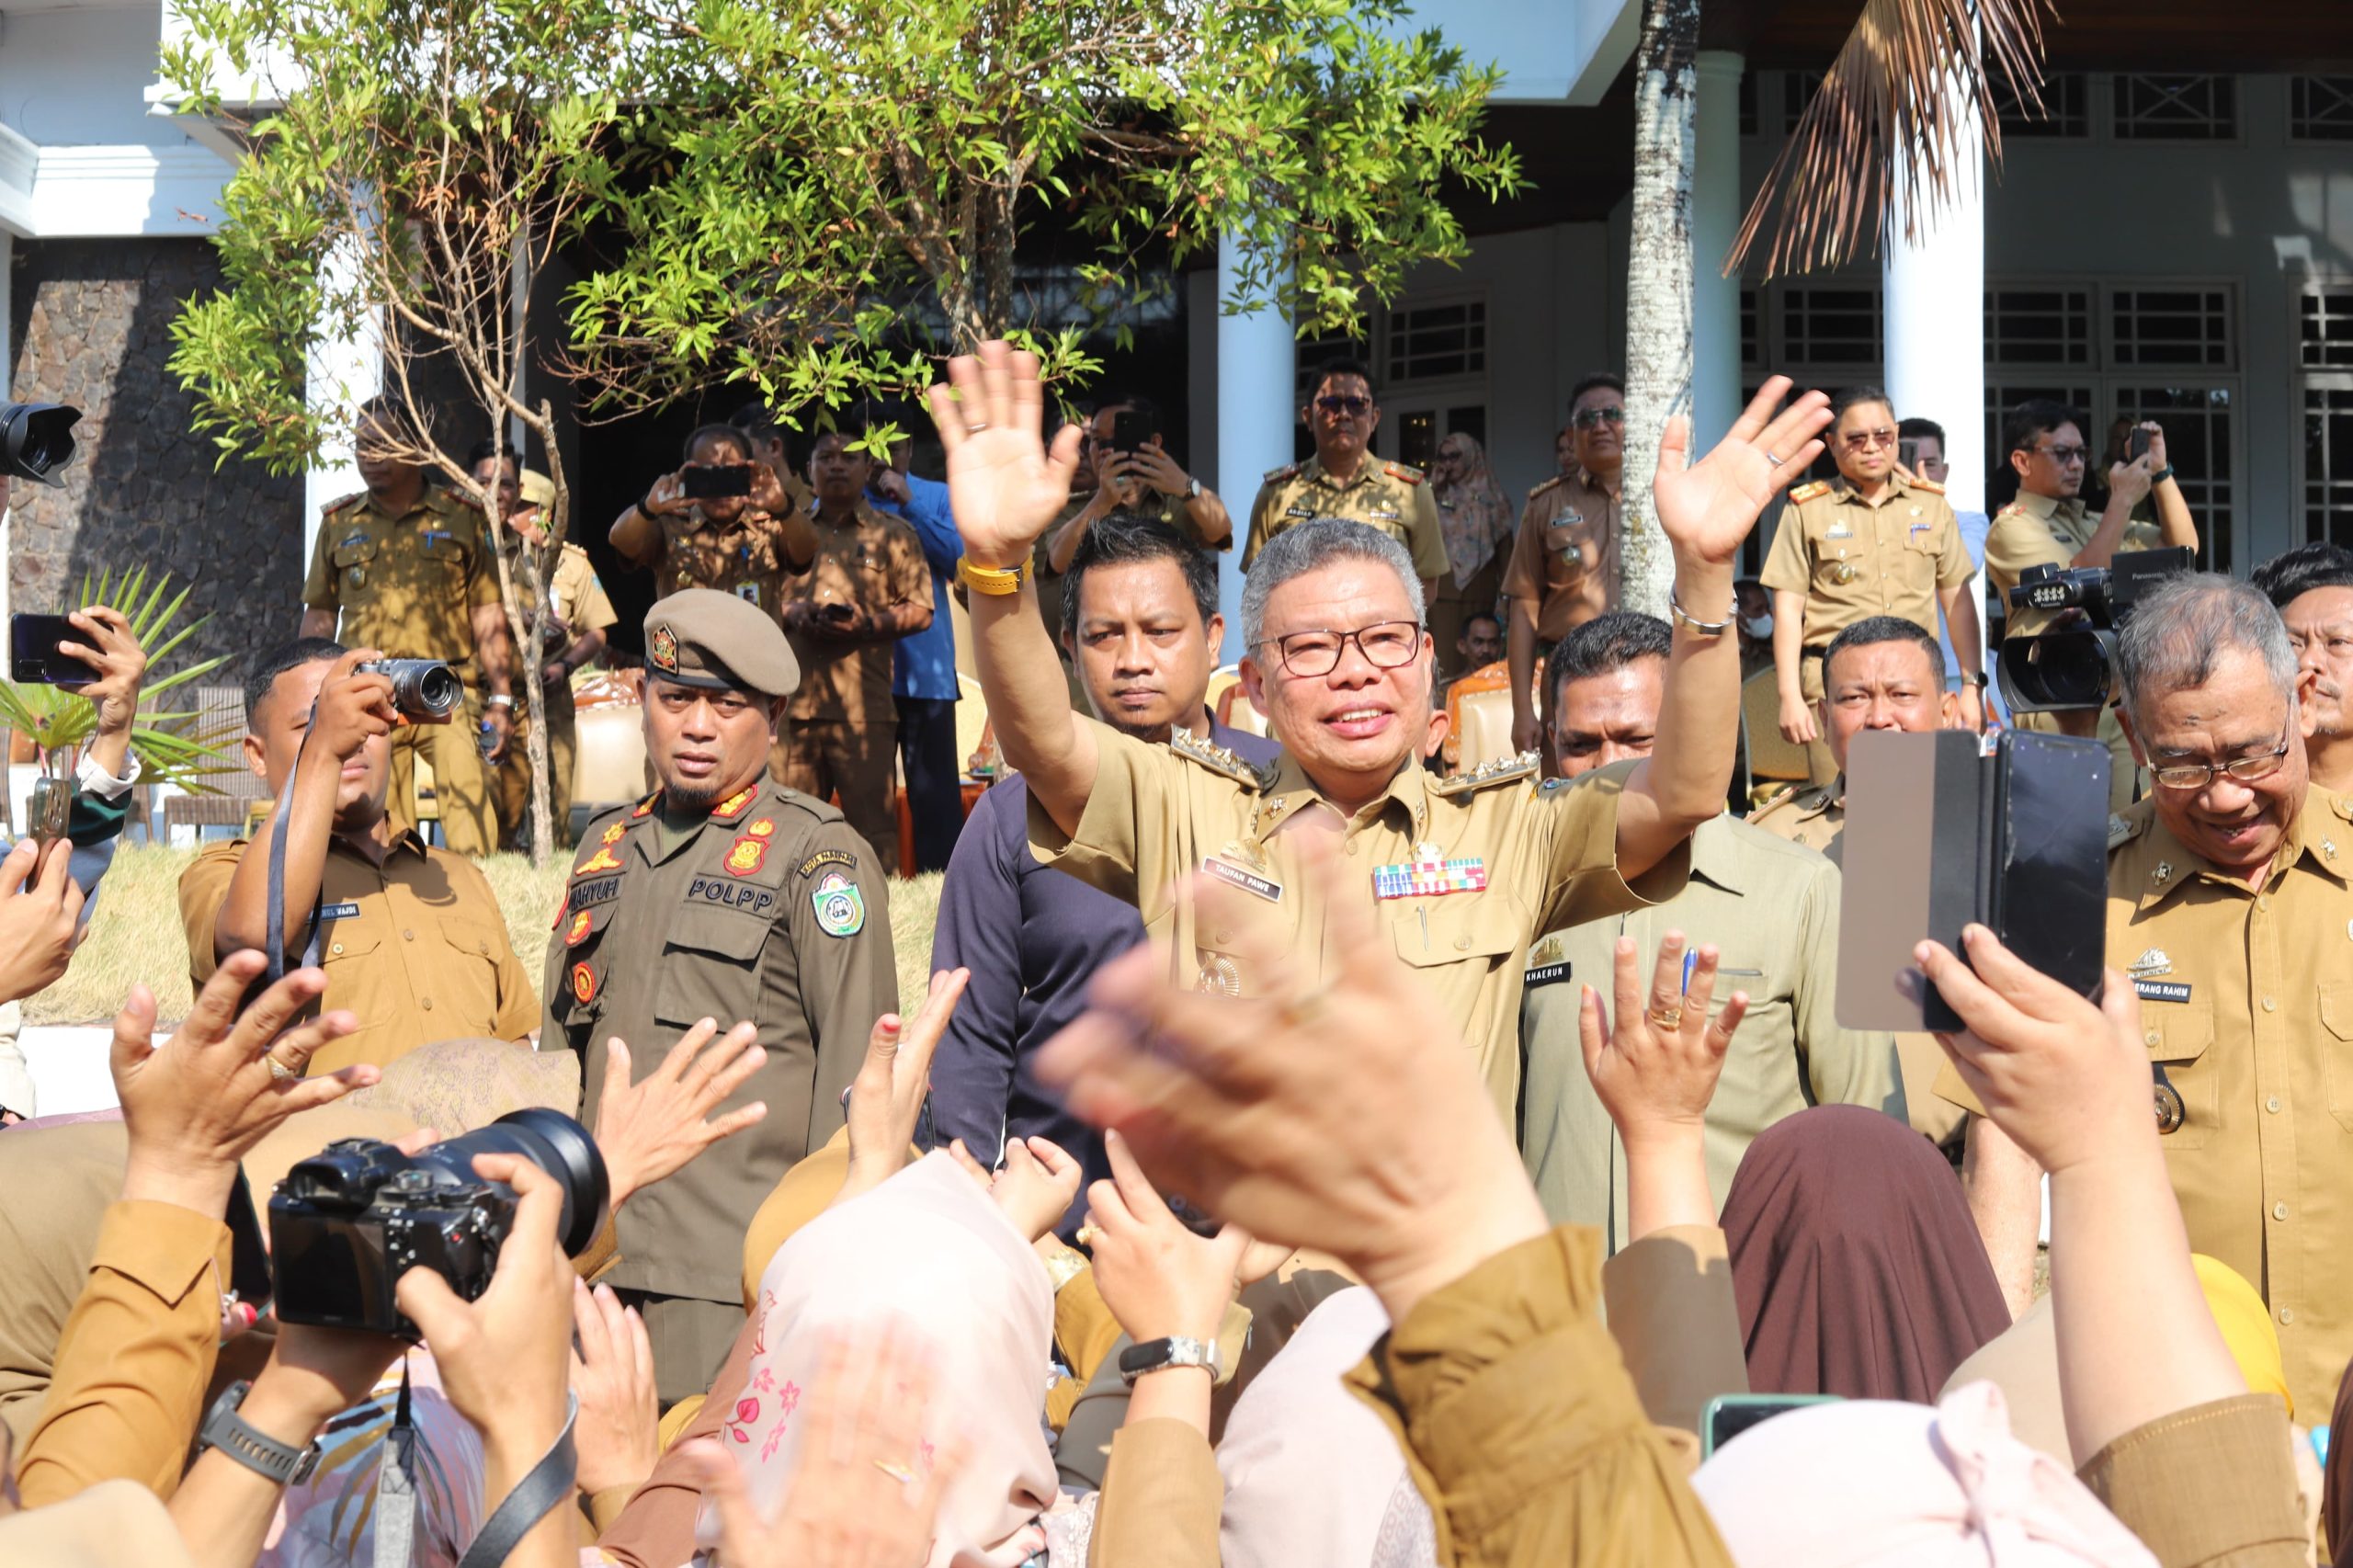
136, 935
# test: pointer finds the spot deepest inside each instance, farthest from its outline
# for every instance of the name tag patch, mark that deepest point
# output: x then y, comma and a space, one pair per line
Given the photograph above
744, 898
587, 896
1248, 882
2161, 991
1299, 509
340, 912
1546, 974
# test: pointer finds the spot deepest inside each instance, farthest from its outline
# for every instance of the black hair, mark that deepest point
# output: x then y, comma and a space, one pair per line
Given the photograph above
278, 661
1481, 615
1136, 404
1913, 429
1343, 366
1124, 538
717, 433
491, 446
1587, 383
2031, 418
1886, 629
2291, 573
1846, 398
1608, 642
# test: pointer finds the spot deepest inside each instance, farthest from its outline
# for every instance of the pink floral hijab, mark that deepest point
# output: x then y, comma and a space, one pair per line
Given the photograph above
927, 1250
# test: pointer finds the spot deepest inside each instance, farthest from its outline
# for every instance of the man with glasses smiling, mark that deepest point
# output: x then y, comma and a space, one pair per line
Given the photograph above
2230, 909
1464, 871
1344, 479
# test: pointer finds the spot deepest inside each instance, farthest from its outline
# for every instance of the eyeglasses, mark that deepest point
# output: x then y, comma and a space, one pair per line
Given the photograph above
1385, 644
1863, 441
2197, 775
1343, 403
1589, 418
2065, 457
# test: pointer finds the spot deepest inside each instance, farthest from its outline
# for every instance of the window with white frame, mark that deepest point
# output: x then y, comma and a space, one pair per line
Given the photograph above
1829, 324
1442, 341
2173, 326
2040, 324
1313, 353
2176, 109
2320, 108
2324, 396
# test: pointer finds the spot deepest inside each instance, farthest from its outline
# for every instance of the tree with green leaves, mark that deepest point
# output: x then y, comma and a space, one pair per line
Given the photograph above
417, 169
852, 188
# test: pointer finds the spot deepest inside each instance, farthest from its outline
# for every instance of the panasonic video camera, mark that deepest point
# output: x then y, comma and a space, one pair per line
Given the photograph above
2073, 665
348, 1221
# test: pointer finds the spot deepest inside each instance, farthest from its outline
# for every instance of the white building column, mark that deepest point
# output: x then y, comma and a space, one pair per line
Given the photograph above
345, 370
1935, 340
1257, 411
1715, 219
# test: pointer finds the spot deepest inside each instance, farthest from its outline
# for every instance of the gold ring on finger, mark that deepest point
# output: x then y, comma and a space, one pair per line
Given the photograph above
1668, 1017
279, 1072
903, 1474
1087, 1238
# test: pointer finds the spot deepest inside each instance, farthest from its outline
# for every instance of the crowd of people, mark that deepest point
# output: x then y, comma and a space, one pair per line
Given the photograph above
1305, 1152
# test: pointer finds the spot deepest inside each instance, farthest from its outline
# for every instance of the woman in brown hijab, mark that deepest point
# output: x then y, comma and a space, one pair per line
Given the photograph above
1857, 1267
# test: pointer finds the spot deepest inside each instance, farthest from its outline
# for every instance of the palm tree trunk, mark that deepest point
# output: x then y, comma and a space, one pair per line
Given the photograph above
1658, 282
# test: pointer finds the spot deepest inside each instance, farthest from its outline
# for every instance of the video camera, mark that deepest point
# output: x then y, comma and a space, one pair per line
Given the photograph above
2073, 666
348, 1221
36, 440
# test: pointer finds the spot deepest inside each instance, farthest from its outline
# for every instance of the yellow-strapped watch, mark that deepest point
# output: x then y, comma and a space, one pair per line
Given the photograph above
991, 579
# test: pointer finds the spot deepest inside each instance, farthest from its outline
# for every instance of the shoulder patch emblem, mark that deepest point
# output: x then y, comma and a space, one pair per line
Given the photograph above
645, 807
1215, 758
1277, 475
616, 832
746, 854
662, 650
1400, 470
582, 924
842, 857
761, 827
603, 860
1807, 492
841, 908
733, 805
584, 983
1501, 770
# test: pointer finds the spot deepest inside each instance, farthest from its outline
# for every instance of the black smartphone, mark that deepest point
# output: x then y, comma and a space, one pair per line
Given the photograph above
1129, 431
706, 482
2136, 446
1908, 453
836, 610
33, 657
1727, 1416
2047, 896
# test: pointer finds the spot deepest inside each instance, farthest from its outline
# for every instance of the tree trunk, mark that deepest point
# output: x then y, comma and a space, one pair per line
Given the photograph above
1658, 282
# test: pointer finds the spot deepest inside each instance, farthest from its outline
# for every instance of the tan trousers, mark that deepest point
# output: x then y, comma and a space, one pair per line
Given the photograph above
511, 784
461, 788
852, 762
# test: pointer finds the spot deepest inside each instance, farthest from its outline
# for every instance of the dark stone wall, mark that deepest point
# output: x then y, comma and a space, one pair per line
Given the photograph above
93, 329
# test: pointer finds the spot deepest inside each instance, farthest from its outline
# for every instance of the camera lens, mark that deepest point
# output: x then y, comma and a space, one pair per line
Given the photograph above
554, 1143
437, 688
2057, 671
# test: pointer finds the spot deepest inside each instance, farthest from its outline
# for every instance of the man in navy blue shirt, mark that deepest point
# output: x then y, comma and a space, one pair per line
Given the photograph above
1140, 618
923, 667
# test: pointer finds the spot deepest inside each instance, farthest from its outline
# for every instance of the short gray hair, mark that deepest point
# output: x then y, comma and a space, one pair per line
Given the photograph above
2178, 631
1312, 546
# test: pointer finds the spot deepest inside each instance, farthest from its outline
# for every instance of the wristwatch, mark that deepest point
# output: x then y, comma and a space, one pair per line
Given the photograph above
226, 1431
1192, 488
1972, 677
1176, 1350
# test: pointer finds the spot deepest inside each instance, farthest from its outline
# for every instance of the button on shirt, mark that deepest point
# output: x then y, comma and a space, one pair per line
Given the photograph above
924, 665
1853, 558
1564, 559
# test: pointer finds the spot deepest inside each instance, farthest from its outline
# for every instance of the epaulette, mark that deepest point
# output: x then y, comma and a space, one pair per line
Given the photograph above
1499, 771
2123, 829
1277, 475
1807, 492
1930, 485
1216, 758
340, 502
1536, 490
1400, 470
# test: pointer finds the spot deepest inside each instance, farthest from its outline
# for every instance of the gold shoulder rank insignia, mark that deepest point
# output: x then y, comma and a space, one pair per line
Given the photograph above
1805, 492
1930, 485
1500, 770
1536, 490
340, 502
1216, 758
1277, 475
1401, 471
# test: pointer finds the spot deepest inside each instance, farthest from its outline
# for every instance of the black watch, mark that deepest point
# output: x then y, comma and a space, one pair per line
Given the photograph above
226, 1431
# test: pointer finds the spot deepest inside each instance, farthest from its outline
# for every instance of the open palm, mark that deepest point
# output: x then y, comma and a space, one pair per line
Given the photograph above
1709, 507
1005, 485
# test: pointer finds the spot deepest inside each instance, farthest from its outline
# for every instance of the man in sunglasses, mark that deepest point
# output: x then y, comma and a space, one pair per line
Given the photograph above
1463, 870
1563, 569
1344, 479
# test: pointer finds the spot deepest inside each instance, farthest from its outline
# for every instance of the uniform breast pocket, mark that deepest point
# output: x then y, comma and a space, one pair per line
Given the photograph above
442, 554
1568, 554
353, 558
2336, 1048
2178, 1035
473, 957
1486, 929
709, 968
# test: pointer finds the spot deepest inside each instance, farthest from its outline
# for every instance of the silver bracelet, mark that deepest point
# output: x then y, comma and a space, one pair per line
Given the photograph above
1704, 628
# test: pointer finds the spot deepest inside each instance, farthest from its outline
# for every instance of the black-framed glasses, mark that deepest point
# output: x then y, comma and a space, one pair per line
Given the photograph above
1385, 644
2065, 457
1343, 403
1594, 418
2246, 770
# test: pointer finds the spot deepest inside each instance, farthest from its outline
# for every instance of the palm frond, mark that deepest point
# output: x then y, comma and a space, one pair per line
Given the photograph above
1890, 121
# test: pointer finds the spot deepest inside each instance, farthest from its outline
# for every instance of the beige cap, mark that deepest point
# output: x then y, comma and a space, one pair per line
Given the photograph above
702, 637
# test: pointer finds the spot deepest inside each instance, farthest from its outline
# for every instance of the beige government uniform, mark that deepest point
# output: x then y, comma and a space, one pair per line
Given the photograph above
2247, 1004
745, 558
1390, 496
844, 723
409, 585
1460, 872
1815, 816
1564, 563
2037, 530
577, 606
416, 948
1771, 910
1853, 558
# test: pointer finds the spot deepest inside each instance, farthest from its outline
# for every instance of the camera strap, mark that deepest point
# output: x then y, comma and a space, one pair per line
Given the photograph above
396, 1486
275, 950
547, 1486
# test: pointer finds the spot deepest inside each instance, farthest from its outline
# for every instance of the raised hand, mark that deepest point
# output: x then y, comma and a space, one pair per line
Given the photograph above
618, 1432
650, 1130
40, 917
886, 1098
1004, 484
1655, 1066
1706, 508
1157, 1276
1035, 1186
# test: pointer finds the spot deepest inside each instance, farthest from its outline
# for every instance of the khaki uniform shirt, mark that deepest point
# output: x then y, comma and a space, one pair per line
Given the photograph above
1525, 860
770, 910
415, 947
745, 558
407, 585
1389, 496
1853, 558
875, 563
2034, 530
1565, 558
1813, 815
1771, 908
576, 597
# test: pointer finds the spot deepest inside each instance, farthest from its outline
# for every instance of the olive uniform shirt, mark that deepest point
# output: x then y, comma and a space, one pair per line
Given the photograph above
744, 558
875, 563
1462, 872
409, 584
2247, 1004
768, 910
577, 596
1385, 495
1565, 558
415, 947
1771, 909
1852, 559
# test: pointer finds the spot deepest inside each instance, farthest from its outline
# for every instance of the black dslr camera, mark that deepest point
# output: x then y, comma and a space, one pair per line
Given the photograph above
423, 689
348, 1221
2073, 665
36, 441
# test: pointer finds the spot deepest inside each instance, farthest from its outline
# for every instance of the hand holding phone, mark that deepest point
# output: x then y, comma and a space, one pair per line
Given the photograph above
34, 655
708, 482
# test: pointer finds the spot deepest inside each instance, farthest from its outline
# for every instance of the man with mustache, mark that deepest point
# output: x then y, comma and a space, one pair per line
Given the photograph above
2311, 588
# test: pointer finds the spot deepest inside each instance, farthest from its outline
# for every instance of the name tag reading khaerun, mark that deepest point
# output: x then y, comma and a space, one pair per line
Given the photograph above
1238, 865
1429, 874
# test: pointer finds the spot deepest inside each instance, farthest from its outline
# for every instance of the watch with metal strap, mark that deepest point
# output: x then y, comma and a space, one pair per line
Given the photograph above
999, 582
226, 1431
1973, 677
1192, 489
1176, 1350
